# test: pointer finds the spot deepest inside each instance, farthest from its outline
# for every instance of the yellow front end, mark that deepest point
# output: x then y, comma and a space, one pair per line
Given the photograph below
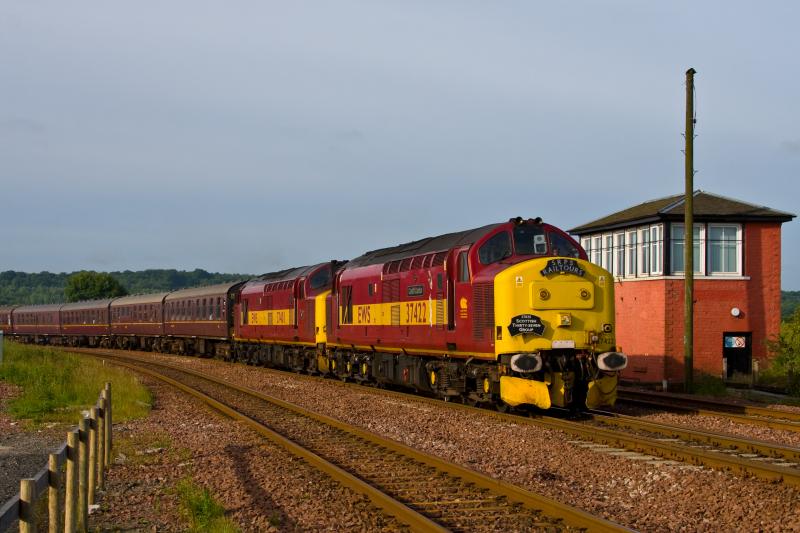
563, 310
321, 331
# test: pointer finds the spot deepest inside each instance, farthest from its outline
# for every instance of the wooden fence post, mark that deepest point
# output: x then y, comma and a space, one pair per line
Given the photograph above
27, 506
92, 454
53, 484
70, 500
83, 474
101, 444
109, 424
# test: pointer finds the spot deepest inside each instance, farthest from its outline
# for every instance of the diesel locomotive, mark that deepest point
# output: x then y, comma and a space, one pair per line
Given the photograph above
509, 314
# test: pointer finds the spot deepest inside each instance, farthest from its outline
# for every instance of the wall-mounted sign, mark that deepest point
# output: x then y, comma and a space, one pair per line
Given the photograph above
522, 324
735, 342
562, 266
416, 290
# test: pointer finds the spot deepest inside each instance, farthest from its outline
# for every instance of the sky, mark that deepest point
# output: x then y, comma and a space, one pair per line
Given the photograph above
254, 135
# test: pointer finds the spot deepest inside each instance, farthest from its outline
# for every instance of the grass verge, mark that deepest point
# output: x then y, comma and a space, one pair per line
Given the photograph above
204, 513
57, 385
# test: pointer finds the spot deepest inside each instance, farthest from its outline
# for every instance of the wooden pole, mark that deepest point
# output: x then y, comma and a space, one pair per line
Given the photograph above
688, 240
27, 506
53, 484
93, 455
70, 499
101, 444
83, 475
109, 424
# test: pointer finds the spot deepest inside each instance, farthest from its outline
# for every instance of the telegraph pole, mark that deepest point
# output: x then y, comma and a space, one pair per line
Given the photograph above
688, 239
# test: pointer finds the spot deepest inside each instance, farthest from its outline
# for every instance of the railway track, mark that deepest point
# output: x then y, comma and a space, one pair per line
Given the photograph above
421, 491
744, 414
640, 439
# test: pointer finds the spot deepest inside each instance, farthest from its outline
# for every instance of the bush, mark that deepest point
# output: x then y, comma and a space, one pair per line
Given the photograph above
786, 349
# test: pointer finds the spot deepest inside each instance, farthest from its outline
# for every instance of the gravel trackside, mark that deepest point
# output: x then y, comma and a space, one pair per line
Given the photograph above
261, 486
647, 495
22, 452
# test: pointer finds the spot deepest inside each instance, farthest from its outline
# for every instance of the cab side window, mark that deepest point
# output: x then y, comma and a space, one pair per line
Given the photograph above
463, 267
495, 249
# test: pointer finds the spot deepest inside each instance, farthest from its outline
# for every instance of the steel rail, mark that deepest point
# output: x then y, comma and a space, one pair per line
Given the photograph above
398, 510
752, 420
570, 516
667, 450
714, 405
730, 442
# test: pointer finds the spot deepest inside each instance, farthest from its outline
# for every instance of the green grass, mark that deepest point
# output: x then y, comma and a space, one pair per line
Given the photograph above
203, 512
57, 385
707, 385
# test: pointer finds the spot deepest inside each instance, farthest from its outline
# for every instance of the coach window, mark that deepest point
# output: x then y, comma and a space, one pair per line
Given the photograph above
219, 311
495, 249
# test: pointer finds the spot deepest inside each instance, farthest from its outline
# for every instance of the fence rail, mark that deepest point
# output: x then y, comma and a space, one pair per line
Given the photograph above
86, 455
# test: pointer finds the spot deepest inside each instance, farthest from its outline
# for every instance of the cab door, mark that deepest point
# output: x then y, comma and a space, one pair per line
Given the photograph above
459, 296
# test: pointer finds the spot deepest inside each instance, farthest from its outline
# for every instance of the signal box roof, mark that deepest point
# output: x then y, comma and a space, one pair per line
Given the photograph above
707, 206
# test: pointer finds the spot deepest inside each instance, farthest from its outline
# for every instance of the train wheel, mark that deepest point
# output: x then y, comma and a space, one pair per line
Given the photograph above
501, 406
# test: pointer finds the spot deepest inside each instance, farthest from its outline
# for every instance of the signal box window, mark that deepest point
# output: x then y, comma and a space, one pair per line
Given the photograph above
496, 249
530, 240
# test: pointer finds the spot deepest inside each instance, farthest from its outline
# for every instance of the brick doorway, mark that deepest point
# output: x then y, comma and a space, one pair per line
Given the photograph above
737, 354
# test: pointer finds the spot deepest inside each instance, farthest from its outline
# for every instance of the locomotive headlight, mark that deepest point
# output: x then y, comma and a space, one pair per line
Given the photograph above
564, 320
544, 294
612, 361
526, 363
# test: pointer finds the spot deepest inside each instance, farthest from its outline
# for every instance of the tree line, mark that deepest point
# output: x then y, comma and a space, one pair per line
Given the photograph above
22, 288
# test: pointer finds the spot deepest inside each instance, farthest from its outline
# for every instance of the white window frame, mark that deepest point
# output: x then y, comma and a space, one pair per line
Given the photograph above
619, 254
644, 250
700, 243
657, 249
586, 244
608, 252
597, 250
631, 253
739, 249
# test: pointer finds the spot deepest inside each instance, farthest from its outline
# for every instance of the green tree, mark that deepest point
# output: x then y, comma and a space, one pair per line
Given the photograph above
90, 285
787, 350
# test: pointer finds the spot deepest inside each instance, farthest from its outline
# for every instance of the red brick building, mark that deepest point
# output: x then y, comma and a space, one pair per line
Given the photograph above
737, 288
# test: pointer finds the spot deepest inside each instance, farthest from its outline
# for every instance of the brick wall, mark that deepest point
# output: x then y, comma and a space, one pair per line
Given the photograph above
650, 313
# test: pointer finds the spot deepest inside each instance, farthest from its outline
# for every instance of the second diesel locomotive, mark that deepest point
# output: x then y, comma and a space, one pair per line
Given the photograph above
507, 314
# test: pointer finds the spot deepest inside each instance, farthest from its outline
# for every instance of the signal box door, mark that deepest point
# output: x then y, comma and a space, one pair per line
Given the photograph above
737, 352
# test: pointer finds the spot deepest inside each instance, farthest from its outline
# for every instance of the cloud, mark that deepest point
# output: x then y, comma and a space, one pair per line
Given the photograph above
791, 147
21, 126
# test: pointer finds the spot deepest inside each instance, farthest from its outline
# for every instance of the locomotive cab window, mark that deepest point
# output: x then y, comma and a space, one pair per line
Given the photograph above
530, 240
321, 279
562, 247
495, 249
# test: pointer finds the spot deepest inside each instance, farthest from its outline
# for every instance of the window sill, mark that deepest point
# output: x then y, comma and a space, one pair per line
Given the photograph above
734, 277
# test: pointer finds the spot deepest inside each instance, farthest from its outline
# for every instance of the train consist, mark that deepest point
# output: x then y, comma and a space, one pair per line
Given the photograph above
507, 314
